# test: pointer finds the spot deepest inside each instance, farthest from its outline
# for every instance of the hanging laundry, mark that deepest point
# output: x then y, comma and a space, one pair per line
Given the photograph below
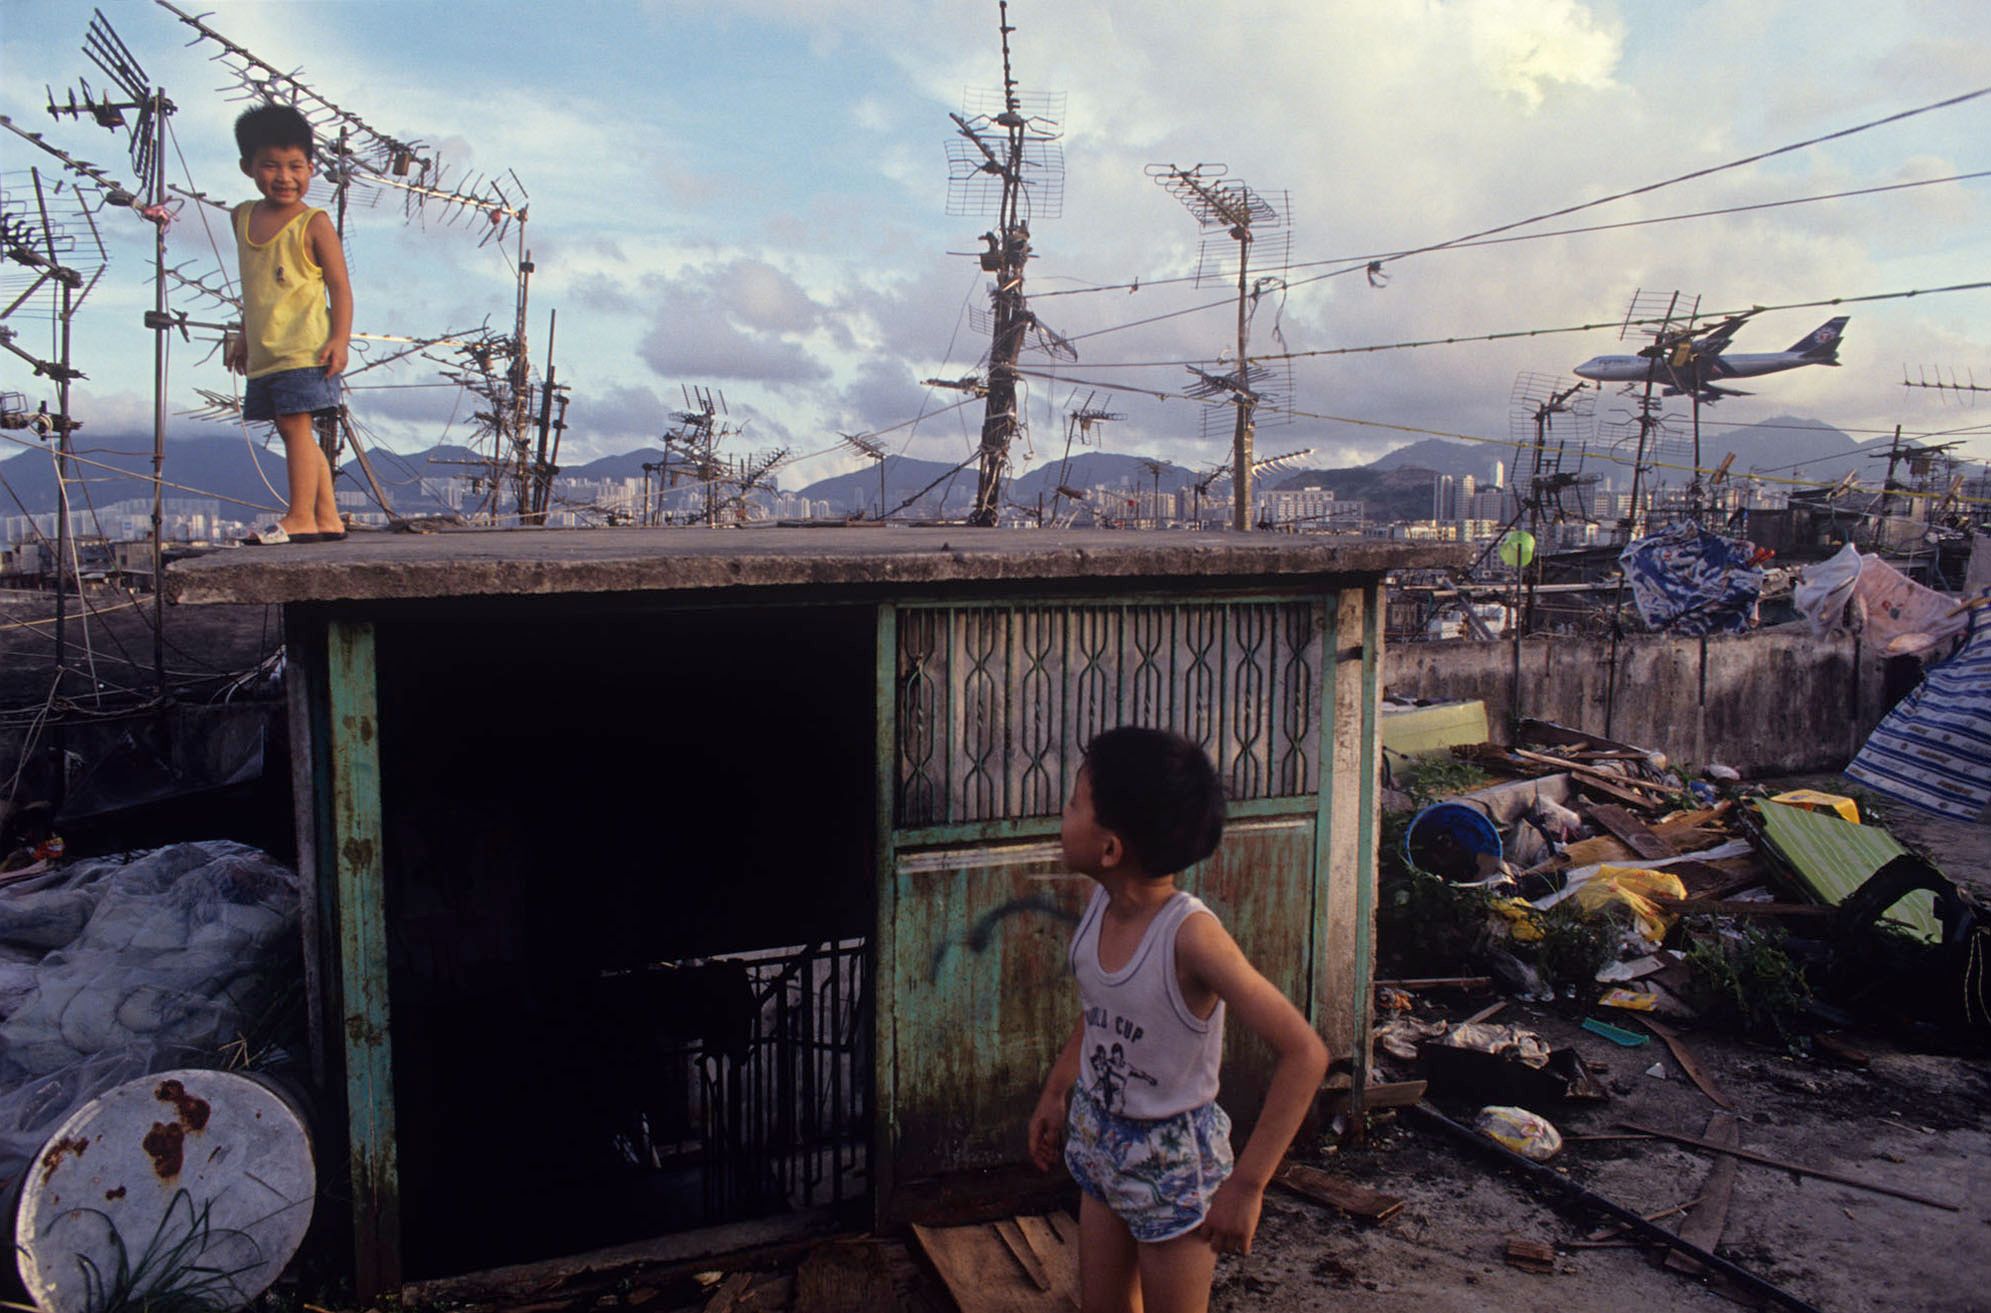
1826, 591
1689, 581
1933, 750
1902, 616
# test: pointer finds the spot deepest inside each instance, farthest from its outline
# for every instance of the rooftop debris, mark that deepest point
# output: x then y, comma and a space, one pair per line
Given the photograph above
1634, 899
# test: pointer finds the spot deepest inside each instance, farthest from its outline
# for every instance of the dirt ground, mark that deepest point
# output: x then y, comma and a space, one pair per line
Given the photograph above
1916, 1121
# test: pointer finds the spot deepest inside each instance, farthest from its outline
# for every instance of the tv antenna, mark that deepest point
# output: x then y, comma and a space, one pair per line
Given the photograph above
1080, 421
873, 450
141, 110
1241, 214
523, 420
1005, 162
1965, 391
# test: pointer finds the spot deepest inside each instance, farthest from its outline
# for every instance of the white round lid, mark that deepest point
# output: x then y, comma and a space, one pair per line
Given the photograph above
191, 1182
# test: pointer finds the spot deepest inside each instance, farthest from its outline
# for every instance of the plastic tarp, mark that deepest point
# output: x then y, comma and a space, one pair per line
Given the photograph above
1832, 858
114, 968
1689, 581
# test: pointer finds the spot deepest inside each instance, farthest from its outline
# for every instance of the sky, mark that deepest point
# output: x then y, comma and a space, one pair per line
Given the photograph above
750, 196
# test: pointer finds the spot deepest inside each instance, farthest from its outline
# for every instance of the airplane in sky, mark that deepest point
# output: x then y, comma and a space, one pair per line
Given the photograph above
1684, 362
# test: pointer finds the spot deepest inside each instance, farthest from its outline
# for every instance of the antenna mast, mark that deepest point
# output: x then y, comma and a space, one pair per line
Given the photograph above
1007, 162
1242, 214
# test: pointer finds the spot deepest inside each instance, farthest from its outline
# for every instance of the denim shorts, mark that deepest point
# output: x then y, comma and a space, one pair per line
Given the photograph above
1158, 1175
291, 392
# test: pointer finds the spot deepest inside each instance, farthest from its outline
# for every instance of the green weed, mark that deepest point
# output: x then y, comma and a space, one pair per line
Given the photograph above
1744, 977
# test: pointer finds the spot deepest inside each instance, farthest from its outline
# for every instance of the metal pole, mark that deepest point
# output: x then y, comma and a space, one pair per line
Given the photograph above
159, 344
542, 473
1241, 439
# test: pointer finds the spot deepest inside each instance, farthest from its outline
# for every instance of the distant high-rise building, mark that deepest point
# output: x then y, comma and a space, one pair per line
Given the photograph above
1500, 474
1444, 497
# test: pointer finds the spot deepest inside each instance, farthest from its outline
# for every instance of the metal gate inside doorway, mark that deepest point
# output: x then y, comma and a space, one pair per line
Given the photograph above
766, 1109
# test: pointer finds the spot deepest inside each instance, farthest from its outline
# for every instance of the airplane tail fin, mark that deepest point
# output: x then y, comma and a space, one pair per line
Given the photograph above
1821, 344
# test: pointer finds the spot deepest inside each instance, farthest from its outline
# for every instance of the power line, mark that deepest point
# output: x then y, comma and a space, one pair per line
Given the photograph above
1361, 261
1547, 332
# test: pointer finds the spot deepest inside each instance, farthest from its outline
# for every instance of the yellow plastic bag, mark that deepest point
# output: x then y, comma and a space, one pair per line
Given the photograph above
1811, 800
1520, 918
1635, 889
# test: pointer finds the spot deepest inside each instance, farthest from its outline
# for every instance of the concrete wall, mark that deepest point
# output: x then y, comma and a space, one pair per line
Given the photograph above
1772, 702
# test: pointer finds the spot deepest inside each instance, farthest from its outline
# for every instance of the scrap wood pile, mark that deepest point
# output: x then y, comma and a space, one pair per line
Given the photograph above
1595, 871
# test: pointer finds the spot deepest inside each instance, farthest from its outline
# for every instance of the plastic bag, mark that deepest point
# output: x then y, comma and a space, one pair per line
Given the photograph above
1524, 1132
1633, 888
170, 954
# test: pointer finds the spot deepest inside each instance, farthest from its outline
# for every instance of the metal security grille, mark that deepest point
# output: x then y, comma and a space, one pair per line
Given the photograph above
770, 1111
996, 704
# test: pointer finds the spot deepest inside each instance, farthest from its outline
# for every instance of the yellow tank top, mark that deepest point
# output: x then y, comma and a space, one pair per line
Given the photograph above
284, 316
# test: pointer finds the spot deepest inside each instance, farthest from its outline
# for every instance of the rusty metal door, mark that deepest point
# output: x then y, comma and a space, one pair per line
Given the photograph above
984, 714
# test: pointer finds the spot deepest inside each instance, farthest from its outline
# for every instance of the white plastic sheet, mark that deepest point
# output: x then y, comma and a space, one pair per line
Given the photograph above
114, 968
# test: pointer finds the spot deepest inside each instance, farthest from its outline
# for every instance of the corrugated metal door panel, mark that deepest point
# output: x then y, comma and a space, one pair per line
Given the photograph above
984, 999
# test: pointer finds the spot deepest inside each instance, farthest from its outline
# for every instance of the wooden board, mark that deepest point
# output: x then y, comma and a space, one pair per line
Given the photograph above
1688, 1063
985, 1272
1632, 831
1323, 1188
1705, 1219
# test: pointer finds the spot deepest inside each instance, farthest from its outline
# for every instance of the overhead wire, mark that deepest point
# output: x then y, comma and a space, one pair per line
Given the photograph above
1361, 265
1362, 261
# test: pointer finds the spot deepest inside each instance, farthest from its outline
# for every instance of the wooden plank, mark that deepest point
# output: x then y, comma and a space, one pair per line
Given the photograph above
1066, 1227
1766, 1160
727, 1297
1688, 1063
358, 833
1439, 982
300, 688
1323, 1188
1530, 1255
1387, 1094
1618, 1228
1589, 774
983, 1275
1632, 831
1012, 1238
1702, 1229
1058, 1254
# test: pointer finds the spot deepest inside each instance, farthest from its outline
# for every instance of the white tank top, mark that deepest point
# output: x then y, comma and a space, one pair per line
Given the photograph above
1144, 1053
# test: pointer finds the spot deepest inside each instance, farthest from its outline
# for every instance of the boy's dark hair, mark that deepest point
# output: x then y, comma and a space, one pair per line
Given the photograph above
271, 125
1160, 793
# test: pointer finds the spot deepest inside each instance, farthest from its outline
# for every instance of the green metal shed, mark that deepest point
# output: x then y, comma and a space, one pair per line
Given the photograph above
567, 798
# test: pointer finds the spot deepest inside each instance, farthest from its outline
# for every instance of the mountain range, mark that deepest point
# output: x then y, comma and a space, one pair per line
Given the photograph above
1395, 486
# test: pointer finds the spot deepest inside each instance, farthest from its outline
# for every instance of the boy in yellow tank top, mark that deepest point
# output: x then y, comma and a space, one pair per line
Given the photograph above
297, 315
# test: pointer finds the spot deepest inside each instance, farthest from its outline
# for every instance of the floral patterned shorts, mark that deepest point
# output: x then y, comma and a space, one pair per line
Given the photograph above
1158, 1175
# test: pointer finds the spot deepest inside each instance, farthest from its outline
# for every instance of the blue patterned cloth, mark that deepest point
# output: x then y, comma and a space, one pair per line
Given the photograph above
1689, 581
1933, 750
1157, 1175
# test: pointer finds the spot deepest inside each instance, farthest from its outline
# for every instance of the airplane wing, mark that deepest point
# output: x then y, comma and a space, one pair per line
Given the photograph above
1716, 340
1709, 392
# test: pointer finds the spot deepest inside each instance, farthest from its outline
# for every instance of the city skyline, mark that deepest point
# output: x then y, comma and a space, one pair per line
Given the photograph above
770, 218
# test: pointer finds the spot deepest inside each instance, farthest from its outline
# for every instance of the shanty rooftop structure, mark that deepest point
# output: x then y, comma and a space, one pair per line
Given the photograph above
676, 879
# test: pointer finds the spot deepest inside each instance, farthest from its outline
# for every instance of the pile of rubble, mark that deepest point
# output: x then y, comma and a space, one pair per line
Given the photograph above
1631, 909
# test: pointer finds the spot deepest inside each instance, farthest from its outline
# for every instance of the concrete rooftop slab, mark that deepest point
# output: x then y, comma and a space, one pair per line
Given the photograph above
522, 562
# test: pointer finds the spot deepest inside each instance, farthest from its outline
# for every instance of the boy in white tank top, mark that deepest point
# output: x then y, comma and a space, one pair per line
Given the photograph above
1133, 1093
